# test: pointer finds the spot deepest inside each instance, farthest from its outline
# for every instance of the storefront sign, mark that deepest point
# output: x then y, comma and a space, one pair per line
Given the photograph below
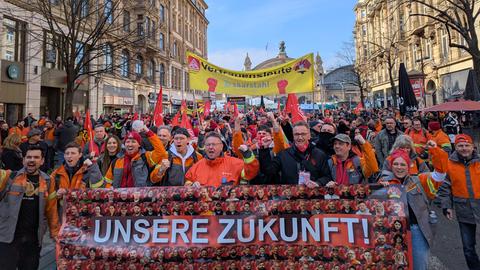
13, 71
418, 87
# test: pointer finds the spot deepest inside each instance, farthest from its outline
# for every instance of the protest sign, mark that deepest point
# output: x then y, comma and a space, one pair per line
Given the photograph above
295, 76
245, 227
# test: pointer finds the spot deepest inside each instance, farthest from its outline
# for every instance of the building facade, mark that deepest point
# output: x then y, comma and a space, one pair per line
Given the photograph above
385, 36
32, 78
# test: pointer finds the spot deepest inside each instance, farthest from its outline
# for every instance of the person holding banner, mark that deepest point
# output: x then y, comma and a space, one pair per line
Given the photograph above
461, 192
303, 163
420, 189
135, 167
26, 207
216, 169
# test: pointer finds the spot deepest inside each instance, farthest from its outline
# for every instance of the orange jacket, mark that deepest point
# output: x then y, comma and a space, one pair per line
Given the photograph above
368, 160
85, 175
222, 170
442, 140
114, 175
419, 138
278, 143
430, 185
12, 190
49, 135
21, 132
457, 173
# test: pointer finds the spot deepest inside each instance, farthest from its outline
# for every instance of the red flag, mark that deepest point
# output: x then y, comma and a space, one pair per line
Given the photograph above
278, 106
175, 121
88, 126
187, 124
235, 110
135, 116
226, 107
158, 112
293, 108
206, 109
358, 108
183, 108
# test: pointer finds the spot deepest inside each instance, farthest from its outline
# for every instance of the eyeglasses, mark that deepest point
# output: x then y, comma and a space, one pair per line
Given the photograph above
300, 134
212, 144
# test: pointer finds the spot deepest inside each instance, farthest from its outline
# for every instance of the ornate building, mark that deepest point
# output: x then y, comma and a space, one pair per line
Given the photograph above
282, 58
32, 77
385, 36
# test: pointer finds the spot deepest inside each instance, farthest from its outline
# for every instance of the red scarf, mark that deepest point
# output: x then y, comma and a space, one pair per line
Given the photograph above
341, 173
127, 177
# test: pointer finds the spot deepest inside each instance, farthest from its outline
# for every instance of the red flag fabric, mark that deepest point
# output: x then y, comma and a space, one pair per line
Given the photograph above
158, 112
278, 106
293, 108
135, 116
175, 120
88, 126
187, 124
206, 109
235, 110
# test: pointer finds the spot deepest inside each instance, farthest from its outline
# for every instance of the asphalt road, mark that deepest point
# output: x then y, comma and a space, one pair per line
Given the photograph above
447, 252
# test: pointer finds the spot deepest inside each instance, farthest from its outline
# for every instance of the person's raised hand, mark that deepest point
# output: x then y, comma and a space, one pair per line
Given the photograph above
359, 138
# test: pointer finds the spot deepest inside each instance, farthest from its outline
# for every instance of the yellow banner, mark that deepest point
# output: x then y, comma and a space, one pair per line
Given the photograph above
295, 76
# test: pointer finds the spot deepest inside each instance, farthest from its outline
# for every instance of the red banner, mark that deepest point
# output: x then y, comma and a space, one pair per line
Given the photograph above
417, 86
261, 227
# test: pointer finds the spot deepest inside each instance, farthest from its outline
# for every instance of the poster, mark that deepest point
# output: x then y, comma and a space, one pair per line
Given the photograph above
244, 227
295, 76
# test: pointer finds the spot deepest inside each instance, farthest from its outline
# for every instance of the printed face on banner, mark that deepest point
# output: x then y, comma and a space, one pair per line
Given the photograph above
245, 227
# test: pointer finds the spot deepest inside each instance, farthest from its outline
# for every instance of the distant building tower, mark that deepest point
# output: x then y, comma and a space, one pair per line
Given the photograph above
248, 63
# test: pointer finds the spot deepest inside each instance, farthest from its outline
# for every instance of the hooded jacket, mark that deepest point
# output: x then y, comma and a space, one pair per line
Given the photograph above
179, 165
65, 135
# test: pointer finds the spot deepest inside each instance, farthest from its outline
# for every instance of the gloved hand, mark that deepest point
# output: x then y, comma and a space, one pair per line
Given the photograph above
245, 150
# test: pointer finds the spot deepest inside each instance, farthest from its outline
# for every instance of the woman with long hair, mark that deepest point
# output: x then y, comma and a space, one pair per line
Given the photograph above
113, 150
12, 155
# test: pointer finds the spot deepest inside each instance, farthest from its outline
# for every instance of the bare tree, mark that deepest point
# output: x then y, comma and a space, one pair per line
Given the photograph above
459, 18
360, 69
85, 34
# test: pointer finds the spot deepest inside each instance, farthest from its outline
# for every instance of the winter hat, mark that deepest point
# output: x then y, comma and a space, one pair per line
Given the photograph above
400, 153
434, 125
132, 135
463, 138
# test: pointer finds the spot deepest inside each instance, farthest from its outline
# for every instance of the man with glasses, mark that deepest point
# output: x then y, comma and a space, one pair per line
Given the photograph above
302, 163
217, 169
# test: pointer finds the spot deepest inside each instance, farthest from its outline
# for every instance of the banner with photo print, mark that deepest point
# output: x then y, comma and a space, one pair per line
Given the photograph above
243, 227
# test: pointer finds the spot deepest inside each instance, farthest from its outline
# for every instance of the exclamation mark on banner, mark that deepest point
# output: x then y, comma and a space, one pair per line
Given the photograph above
366, 240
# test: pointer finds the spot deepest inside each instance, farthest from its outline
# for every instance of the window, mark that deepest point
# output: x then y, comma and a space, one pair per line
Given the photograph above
13, 36
139, 65
50, 52
108, 54
401, 22
445, 45
81, 7
140, 32
126, 21
162, 13
174, 50
151, 70
79, 57
162, 74
364, 30
363, 13
125, 63
428, 48
148, 23
162, 42
108, 11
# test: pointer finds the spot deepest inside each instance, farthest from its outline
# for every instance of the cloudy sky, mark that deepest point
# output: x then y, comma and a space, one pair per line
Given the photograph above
256, 27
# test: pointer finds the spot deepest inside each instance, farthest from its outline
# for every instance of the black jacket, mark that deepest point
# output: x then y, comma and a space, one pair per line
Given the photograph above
290, 161
65, 135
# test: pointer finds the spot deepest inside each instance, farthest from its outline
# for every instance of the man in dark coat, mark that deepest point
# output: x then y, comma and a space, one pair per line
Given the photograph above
63, 136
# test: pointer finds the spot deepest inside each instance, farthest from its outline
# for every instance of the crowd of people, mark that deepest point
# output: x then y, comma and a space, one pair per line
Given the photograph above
43, 159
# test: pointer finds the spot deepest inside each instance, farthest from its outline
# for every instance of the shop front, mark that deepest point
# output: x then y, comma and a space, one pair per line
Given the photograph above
453, 84
117, 99
13, 91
